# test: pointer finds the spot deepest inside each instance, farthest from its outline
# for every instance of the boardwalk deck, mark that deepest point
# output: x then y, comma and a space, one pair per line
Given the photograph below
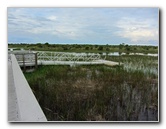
22, 104
12, 99
96, 62
58, 58
109, 63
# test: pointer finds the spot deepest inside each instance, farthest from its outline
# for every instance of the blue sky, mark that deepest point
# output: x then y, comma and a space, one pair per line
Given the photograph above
134, 26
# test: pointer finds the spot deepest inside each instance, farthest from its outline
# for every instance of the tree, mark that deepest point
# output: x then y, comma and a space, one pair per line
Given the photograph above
65, 48
128, 48
107, 49
46, 44
86, 48
121, 46
96, 46
135, 48
39, 45
100, 48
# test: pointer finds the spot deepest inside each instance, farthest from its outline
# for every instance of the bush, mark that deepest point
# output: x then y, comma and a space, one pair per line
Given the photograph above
100, 48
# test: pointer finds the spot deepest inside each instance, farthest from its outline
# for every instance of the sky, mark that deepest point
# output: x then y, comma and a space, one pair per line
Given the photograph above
113, 26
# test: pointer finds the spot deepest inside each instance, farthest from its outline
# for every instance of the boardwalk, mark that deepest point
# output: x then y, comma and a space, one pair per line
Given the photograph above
12, 99
59, 58
22, 104
72, 63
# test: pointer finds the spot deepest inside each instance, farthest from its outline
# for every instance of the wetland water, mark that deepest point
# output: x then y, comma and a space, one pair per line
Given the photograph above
99, 93
109, 53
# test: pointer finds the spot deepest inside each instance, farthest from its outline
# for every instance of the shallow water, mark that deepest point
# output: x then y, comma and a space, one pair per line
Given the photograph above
117, 54
142, 68
104, 53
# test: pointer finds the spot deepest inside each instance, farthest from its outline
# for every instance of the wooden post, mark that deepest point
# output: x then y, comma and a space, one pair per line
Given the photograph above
119, 55
36, 60
24, 67
119, 59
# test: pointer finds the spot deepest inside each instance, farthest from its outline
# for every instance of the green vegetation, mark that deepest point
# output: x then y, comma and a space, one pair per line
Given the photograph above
85, 48
96, 93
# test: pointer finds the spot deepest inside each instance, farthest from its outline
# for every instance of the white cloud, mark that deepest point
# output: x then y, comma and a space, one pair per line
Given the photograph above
53, 18
140, 34
137, 29
96, 25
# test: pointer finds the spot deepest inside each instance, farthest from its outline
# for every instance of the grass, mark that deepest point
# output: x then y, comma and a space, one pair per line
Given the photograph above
98, 93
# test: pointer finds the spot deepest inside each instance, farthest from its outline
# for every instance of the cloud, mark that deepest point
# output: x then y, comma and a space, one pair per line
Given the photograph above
72, 23
97, 25
137, 29
53, 18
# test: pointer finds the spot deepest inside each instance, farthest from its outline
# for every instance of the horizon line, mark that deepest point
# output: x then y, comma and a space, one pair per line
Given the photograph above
64, 43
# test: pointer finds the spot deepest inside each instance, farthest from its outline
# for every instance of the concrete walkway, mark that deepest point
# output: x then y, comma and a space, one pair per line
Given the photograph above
12, 99
22, 104
109, 63
96, 62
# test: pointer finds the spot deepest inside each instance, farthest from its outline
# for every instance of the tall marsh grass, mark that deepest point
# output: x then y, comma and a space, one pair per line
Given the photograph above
96, 93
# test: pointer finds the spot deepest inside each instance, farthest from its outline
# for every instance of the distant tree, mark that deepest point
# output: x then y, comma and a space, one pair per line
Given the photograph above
121, 46
100, 48
96, 46
127, 47
155, 47
107, 49
86, 48
77, 46
33, 48
46, 44
65, 48
53, 45
39, 45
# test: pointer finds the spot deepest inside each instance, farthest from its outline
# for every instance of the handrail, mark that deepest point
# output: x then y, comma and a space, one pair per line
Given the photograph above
59, 56
29, 109
23, 58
